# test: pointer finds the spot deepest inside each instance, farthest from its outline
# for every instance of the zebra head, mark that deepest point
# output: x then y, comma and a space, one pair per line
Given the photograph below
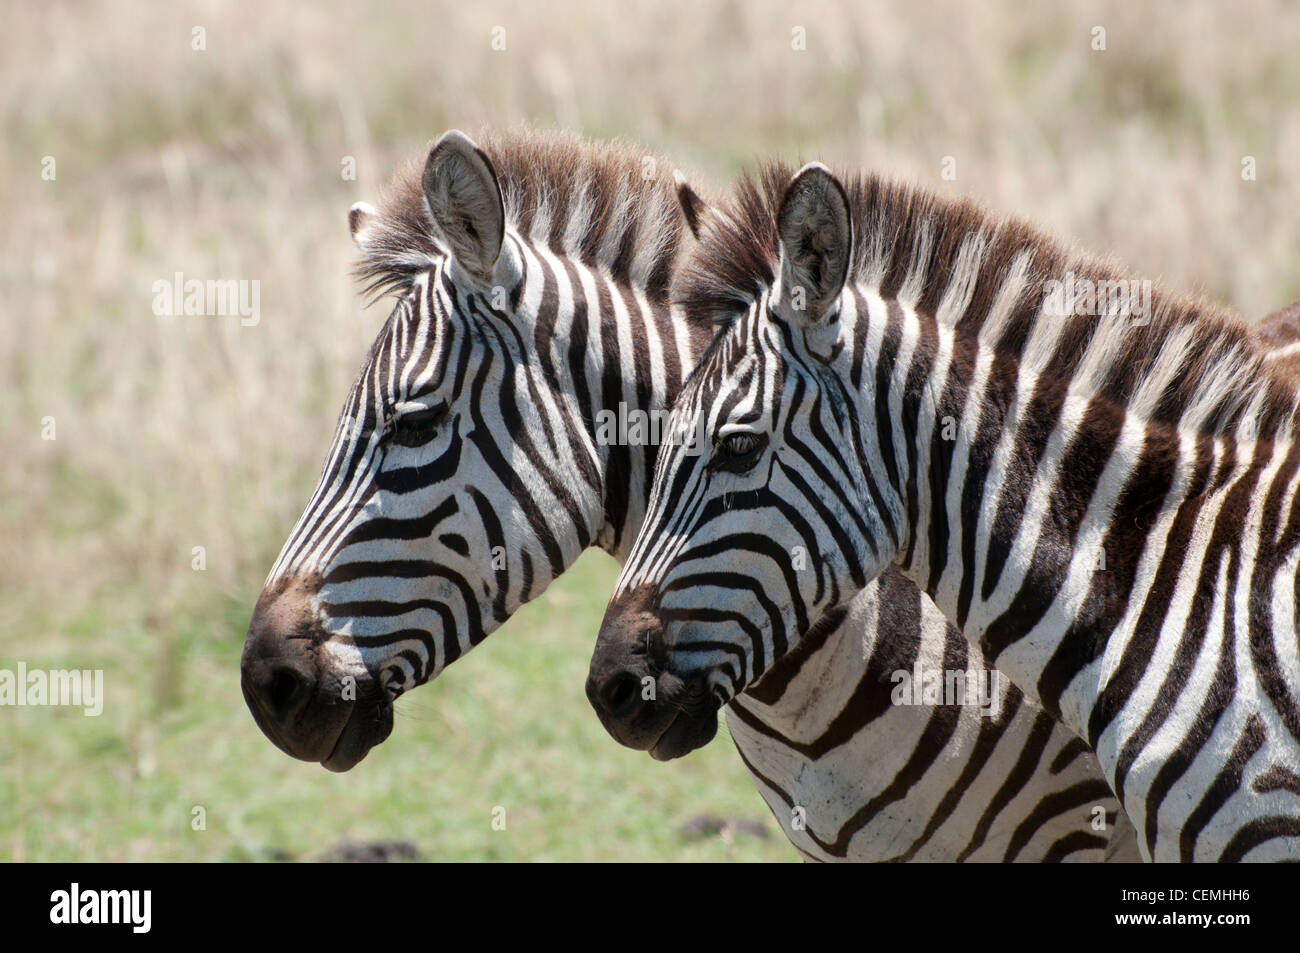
462, 477
772, 527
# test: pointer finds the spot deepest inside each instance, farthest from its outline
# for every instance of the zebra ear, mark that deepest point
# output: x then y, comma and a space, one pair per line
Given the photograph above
464, 199
816, 236
693, 207
361, 216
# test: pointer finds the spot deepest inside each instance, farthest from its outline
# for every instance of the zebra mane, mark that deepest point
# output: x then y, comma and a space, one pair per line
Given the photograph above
592, 201
1193, 362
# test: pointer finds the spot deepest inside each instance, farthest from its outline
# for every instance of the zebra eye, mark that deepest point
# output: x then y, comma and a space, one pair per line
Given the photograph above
417, 427
738, 452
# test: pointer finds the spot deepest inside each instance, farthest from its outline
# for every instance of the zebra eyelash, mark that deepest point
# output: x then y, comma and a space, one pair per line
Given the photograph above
415, 427
738, 451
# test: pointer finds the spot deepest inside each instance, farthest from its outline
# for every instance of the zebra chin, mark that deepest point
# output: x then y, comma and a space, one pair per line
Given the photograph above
301, 699
639, 700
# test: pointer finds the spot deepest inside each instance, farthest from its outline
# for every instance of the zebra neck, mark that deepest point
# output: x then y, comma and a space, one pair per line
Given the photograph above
637, 359
1034, 518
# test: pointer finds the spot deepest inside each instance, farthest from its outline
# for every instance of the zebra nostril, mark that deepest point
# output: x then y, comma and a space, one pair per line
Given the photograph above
282, 690
620, 693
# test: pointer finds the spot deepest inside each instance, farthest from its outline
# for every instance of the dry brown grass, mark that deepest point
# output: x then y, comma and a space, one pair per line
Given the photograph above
176, 432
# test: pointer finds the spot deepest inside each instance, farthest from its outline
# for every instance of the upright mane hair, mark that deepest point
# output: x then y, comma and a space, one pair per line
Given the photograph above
912, 244
592, 201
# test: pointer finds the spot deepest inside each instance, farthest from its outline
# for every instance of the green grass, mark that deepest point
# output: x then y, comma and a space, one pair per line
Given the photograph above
509, 726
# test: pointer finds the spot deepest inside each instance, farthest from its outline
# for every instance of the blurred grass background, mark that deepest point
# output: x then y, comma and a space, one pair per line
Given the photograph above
177, 432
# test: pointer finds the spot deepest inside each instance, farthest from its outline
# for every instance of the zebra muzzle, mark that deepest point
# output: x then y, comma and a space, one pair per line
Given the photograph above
641, 702
307, 708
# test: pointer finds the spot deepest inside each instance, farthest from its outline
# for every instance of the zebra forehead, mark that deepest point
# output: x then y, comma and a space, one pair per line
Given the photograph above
603, 203
723, 365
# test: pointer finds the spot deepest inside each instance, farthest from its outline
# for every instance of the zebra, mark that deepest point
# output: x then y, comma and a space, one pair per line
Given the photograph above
1279, 335
1105, 504
532, 277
